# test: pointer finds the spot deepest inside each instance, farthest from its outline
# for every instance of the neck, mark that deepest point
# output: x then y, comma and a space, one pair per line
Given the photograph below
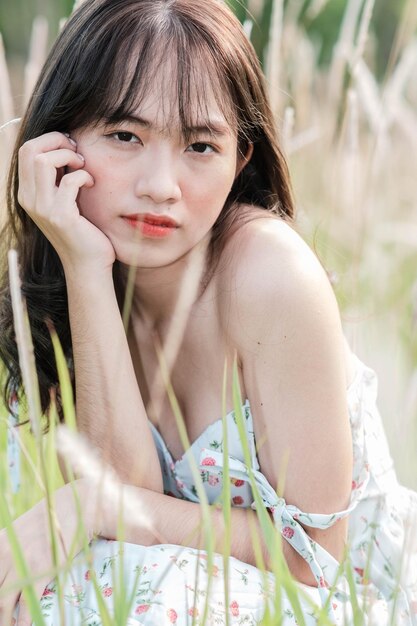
158, 293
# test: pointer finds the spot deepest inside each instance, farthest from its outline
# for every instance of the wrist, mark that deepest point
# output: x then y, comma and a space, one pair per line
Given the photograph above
87, 275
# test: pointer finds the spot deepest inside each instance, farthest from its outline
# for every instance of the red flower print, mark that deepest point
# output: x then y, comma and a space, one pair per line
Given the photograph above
237, 482
47, 592
107, 592
87, 575
354, 484
359, 570
215, 570
288, 532
193, 611
234, 608
141, 608
208, 461
172, 616
334, 605
237, 500
322, 582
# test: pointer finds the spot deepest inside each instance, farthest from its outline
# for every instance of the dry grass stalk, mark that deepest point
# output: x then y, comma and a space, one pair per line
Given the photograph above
343, 52
363, 32
405, 31
395, 86
25, 346
315, 8
188, 294
6, 98
37, 54
273, 63
288, 128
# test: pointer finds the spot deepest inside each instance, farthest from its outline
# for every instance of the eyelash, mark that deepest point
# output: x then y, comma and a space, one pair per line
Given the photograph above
125, 132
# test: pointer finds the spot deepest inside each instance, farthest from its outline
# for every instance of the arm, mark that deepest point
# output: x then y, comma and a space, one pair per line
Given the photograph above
110, 410
161, 510
291, 351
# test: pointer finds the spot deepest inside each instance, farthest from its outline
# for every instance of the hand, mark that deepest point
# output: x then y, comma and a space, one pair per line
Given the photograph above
49, 196
32, 532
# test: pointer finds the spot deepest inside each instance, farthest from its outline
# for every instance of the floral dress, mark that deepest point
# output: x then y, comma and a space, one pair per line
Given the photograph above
168, 584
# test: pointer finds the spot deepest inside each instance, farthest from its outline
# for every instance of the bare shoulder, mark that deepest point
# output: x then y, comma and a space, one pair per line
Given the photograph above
274, 283
265, 260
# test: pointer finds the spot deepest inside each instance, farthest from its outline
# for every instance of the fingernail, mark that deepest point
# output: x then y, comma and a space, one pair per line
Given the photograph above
74, 143
66, 134
81, 156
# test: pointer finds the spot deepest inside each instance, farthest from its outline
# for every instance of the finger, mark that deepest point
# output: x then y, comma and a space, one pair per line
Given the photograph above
29, 150
45, 168
46, 143
38, 145
70, 186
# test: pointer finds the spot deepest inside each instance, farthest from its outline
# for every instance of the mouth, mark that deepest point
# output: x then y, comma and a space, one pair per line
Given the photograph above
155, 220
152, 226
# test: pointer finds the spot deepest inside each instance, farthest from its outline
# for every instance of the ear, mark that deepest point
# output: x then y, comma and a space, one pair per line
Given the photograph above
243, 160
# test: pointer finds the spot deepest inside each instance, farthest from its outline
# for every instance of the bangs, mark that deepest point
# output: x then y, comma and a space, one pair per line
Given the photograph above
178, 66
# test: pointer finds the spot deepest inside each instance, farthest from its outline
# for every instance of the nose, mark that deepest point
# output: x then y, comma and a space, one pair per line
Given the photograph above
157, 177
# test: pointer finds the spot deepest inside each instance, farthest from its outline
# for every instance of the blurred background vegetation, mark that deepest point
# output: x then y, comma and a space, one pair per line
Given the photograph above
320, 18
342, 78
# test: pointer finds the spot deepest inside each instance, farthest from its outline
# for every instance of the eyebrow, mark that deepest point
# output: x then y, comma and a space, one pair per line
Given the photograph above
214, 127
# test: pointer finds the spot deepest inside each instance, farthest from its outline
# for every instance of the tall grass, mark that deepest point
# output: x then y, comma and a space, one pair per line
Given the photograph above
348, 139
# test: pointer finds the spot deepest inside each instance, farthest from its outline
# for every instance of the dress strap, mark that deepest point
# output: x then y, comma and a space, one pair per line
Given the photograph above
287, 520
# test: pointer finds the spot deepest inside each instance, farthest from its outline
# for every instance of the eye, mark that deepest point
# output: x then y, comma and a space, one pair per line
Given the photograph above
200, 147
124, 136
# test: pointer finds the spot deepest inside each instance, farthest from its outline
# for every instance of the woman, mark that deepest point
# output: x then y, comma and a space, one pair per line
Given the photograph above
149, 144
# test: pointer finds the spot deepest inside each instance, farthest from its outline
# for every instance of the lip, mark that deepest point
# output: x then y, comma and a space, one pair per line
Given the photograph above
149, 218
152, 226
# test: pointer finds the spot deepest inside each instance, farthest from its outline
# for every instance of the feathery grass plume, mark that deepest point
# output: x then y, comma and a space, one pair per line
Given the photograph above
315, 8
363, 33
342, 53
25, 346
6, 98
350, 165
395, 86
86, 461
288, 128
37, 54
77, 4
274, 54
303, 139
302, 78
406, 30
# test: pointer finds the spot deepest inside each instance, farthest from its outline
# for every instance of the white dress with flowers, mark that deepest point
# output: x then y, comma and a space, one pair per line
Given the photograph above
168, 584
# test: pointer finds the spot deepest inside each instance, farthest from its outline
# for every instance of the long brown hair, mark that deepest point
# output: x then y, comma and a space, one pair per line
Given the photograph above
99, 70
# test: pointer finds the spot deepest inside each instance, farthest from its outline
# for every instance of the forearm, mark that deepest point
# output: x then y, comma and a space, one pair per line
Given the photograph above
180, 522
109, 406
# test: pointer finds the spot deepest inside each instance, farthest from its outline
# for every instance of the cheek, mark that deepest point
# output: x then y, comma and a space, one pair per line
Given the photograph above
94, 202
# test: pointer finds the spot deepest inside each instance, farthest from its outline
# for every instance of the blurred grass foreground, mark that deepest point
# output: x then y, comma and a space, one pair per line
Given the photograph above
344, 93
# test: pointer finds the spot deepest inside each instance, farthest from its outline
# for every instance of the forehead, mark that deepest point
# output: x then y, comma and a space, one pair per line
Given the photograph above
171, 95
160, 113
